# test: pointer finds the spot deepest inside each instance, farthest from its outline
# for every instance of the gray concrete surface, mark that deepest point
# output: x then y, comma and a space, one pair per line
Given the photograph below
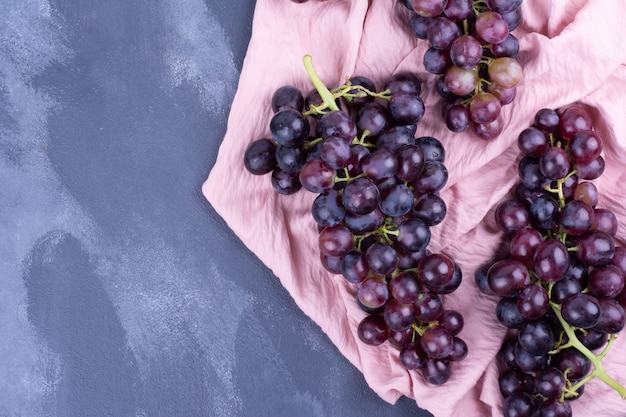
122, 293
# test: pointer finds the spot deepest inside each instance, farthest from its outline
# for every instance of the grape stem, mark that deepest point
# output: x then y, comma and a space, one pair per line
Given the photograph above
596, 360
325, 94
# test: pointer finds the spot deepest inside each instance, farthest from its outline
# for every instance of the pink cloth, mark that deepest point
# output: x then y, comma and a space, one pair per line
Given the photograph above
572, 50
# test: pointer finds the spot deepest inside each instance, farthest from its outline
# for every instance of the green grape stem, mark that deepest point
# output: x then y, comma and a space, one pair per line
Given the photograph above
596, 360
327, 97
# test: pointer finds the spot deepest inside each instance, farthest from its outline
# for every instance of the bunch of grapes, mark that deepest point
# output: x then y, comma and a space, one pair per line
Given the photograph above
377, 192
474, 55
562, 278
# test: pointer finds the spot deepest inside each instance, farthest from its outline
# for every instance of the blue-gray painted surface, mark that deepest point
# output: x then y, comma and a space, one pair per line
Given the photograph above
122, 293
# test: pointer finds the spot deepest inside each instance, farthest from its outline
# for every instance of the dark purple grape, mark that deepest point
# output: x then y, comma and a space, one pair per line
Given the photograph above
459, 10
331, 263
524, 244
544, 212
512, 216
373, 330
595, 248
508, 47
419, 25
436, 342
585, 146
525, 195
401, 340
337, 123
404, 287
576, 217
592, 338
508, 277
605, 221
394, 138
519, 404
358, 153
565, 288
533, 302
458, 118
285, 183
290, 158
590, 170
435, 271
514, 381
380, 164
354, 267
403, 82
466, 51
531, 175
373, 117
369, 310
437, 61
433, 178
547, 120
287, 97
553, 407
491, 27
554, 163
431, 208
551, 260
336, 240
373, 292
381, 258
260, 156
427, 306
408, 259
573, 362
432, 148
412, 356
398, 316
327, 209
581, 310
365, 223
360, 196
316, 176
574, 119
289, 127
413, 235
532, 141
506, 354
513, 19
504, 6
410, 162
508, 314
460, 350
452, 321
550, 382
528, 362
436, 371
605, 281
335, 152
406, 109
536, 337
611, 316
441, 32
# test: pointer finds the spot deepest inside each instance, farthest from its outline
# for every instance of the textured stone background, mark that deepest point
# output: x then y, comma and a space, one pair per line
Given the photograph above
122, 293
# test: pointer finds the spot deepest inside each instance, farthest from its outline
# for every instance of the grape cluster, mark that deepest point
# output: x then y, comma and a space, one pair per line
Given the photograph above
474, 55
377, 192
562, 277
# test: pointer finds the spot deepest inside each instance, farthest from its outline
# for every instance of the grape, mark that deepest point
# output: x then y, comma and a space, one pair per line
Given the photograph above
606, 281
488, 131
547, 120
429, 8
585, 146
362, 82
404, 287
491, 27
433, 178
402, 341
373, 292
338, 124
290, 158
452, 321
524, 244
335, 152
507, 277
504, 6
505, 72
373, 330
504, 95
406, 109
519, 404
586, 192
595, 248
574, 119
528, 362
581, 310
544, 212
410, 162
430, 208
365, 223
399, 316
508, 47
419, 25
441, 32
461, 81
435, 271
533, 302
573, 362
612, 317
393, 139
458, 118
373, 117
577, 217
550, 382
565, 288
381, 258
437, 61
554, 163
260, 156
432, 149
335, 240
316, 176
590, 170
412, 356
536, 337
327, 209
413, 235
553, 407
397, 200
508, 314
436, 342
511, 216
551, 260
360, 196
289, 127
514, 381
605, 221
380, 164
530, 173
484, 108
285, 182
287, 97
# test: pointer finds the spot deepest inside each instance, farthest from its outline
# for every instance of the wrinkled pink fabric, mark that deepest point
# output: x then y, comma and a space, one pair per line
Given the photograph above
572, 51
